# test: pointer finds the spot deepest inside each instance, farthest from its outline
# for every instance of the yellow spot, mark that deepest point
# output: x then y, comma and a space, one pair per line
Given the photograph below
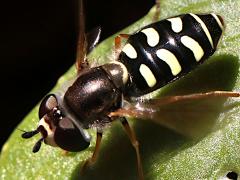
218, 21
205, 29
170, 59
124, 70
147, 75
129, 50
194, 46
152, 36
176, 24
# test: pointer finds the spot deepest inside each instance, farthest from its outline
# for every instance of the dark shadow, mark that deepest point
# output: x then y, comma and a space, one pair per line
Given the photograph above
217, 73
196, 118
117, 159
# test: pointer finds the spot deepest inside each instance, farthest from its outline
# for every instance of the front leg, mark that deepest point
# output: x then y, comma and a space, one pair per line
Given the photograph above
135, 144
118, 44
157, 12
89, 162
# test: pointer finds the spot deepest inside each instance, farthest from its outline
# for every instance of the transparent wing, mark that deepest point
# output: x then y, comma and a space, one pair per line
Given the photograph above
93, 38
86, 42
192, 115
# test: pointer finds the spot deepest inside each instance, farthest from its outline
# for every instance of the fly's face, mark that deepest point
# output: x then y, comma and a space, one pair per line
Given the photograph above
56, 128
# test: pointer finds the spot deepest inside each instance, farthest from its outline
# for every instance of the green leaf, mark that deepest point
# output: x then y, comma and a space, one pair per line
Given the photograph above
211, 150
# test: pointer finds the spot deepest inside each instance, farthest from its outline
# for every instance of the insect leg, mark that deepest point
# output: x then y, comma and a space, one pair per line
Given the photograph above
157, 12
64, 152
89, 162
196, 96
118, 42
153, 104
81, 60
135, 144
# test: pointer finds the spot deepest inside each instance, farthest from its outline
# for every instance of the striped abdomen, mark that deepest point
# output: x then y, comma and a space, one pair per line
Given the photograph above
166, 50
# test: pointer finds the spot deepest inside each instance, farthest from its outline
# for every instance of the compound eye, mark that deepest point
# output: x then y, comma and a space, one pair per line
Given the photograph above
69, 137
47, 104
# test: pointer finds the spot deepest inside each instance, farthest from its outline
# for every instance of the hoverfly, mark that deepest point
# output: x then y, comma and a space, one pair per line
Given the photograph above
154, 56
